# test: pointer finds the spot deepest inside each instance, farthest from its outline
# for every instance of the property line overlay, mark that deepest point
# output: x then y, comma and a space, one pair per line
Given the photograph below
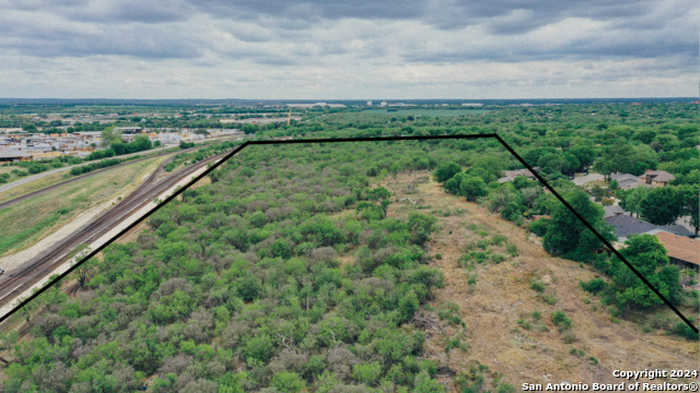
242, 146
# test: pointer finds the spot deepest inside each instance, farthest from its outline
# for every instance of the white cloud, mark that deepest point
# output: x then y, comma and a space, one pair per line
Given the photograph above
98, 49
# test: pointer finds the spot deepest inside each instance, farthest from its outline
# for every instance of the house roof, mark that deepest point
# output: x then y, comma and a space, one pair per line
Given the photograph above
625, 180
591, 177
661, 176
680, 247
627, 225
613, 210
512, 174
619, 176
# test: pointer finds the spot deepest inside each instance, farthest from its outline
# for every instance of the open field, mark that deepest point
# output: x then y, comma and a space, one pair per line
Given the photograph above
38, 184
7, 169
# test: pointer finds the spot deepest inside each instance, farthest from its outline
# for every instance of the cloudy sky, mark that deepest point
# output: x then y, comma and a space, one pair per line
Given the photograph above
334, 49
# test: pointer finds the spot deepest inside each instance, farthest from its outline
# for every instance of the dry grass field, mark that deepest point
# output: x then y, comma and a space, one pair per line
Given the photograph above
496, 300
38, 184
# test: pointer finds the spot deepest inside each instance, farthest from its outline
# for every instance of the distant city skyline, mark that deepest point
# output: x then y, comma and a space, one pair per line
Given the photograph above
326, 50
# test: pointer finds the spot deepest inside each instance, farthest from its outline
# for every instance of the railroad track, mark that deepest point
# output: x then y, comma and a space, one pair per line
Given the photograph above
46, 189
20, 279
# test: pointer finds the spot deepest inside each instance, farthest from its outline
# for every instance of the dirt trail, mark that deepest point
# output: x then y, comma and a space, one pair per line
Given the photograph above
502, 295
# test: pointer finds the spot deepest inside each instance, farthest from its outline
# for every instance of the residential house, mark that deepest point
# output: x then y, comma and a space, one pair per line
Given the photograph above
625, 180
626, 226
657, 178
681, 250
511, 175
589, 178
613, 210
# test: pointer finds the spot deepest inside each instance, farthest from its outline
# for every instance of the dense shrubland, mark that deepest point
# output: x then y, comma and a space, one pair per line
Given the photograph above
239, 287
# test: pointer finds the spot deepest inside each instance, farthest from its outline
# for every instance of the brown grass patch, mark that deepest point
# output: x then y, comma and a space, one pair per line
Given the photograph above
501, 296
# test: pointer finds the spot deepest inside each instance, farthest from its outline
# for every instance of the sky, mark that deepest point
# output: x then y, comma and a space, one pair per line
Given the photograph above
339, 49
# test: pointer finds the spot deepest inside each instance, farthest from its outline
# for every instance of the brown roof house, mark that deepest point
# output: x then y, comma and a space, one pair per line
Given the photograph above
680, 249
657, 178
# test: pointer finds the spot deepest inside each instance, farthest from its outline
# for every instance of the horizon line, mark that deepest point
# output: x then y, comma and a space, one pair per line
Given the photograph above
347, 99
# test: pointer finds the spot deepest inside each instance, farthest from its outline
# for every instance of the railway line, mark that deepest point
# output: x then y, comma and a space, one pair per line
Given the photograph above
52, 187
16, 281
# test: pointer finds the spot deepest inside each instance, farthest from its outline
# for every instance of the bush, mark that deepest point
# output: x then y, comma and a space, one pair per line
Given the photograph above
682, 329
446, 171
452, 184
472, 188
281, 248
450, 312
593, 286
408, 305
79, 170
505, 388
425, 384
259, 348
323, 231
561, 321
99, 154
537, 286
540, 227
249, 288
288, 382
367, 373
420, 226
498, 258
549, 299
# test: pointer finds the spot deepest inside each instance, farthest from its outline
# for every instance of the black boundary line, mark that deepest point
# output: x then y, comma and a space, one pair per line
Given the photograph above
362, 139
595, 232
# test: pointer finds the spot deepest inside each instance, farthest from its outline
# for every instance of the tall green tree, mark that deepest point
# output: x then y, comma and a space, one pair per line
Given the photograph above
585, 155
615, 158
662, 205
567, 236
649, 257
110, 135
472, 188
446, 171
631, 200
690, 195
